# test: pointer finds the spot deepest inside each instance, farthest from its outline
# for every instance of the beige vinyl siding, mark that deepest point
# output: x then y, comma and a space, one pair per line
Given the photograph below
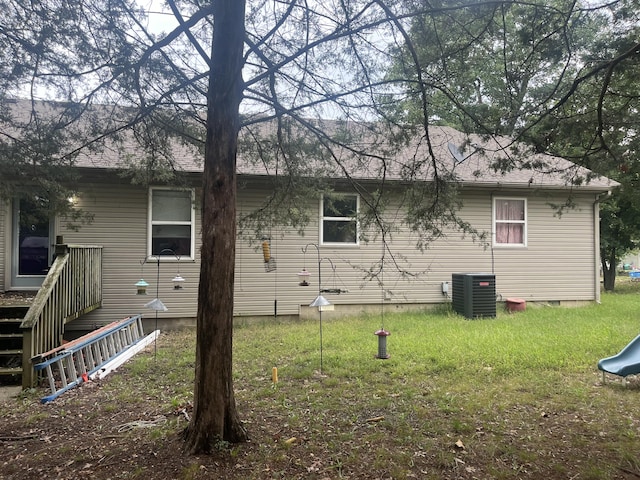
5, 242
559, 261
255, 289
557, 264
120, 225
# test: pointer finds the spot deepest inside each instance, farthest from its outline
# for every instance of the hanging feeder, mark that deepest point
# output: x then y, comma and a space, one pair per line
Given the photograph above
269, 260
177, 282
382, 335
141, 285
303, 276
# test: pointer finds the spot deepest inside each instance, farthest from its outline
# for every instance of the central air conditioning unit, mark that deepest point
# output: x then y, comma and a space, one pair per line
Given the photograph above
474, 294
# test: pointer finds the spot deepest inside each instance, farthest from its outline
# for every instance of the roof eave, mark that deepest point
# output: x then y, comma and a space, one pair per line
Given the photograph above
537, 186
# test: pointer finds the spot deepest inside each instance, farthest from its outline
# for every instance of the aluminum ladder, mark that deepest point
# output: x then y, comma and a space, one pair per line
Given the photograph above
72, 363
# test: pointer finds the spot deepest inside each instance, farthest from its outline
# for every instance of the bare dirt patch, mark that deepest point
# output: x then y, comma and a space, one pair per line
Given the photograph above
90, 432
83, 435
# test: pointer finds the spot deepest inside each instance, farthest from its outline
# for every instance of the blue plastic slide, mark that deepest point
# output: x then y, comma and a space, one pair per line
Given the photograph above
627, 362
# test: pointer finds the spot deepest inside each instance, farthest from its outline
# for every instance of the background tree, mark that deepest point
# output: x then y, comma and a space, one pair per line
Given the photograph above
497, 67
595, 127
116, 80
287, 66
557, 76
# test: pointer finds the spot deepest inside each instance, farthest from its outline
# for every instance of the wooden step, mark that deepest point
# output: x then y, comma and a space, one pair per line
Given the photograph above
10, 362
13, 308
13, 311
10, 346
10, 370
14, 351
12, 323
10, 335
10, 326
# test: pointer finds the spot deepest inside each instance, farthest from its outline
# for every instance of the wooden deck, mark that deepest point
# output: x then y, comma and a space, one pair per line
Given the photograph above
34, 322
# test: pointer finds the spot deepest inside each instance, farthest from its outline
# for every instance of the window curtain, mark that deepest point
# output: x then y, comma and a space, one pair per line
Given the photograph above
510, 221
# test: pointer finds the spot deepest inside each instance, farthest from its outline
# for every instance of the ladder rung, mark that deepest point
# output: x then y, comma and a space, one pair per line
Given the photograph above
72, 363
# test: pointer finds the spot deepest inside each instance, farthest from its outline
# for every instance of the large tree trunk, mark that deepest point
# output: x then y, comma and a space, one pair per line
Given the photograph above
609, 263
215, 417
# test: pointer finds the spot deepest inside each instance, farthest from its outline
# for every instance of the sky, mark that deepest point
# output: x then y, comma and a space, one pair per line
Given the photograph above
160, 17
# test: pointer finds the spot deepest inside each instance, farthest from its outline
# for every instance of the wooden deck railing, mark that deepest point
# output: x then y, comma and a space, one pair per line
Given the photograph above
72, 288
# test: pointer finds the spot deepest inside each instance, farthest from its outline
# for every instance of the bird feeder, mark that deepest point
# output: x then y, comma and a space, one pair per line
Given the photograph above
141, 285
177, 282
269, 260
382, 344
303, 276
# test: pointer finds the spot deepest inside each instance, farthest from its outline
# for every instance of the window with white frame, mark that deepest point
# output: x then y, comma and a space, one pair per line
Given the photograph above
171, 216
510, 221
339, 225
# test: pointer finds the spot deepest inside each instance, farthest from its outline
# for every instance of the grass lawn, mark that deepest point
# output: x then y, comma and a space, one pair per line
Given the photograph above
518, 396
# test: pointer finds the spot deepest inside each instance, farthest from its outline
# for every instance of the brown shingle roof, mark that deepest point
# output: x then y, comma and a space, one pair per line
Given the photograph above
469, 159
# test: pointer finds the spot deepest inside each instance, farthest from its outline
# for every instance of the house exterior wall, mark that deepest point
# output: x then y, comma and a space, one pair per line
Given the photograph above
557, 265
4, 244
120, 225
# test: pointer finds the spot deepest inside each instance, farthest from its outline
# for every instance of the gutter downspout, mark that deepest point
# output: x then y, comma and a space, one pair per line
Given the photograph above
596, 232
